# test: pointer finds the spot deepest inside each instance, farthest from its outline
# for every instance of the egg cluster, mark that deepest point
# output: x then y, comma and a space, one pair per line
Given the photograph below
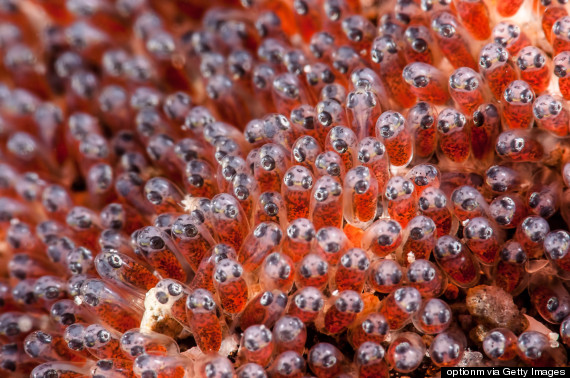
283, 188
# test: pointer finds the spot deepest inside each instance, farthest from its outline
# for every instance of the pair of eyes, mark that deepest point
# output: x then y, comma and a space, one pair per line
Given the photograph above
230, 211
537, 62
268, 298
289, 90
392, 192
515, 145
369, 326
81, 220
306, 180
519, 257
293, 231
326, 76
410, 296
452, 248
349, 304
481, 232
486, 60
326, 358
206, 302
445, 125
389, 125
525, 96
307, 270
465, 194
535, 229
542, 110
369, 353
423, 174
362, 97
427, 5
323, 193
173, 289
221, 274
389, 46
262, 229
103, 336
362, 263
392, 278
468, 84
304, 146
315, 303
365, 152
439, 202
331, 167
557, 241
188, 230
426, 274
254, 342
442, 316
